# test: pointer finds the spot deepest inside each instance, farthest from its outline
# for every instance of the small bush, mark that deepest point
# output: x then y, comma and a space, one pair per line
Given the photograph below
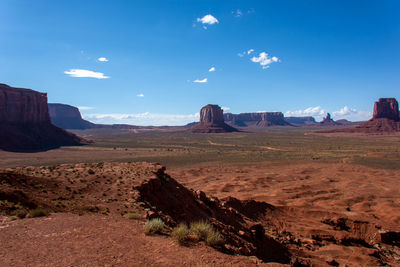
21, 214
90, 171
154, 226
132, 215
38, 212
180, 233
205, 231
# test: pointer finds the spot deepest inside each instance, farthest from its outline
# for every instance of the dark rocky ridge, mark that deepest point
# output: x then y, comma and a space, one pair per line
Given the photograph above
300, 120
258, 119
25, 122
212, 121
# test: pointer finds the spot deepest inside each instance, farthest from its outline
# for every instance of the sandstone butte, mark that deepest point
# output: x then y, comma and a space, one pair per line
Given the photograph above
25, 122
212, 121
258, 119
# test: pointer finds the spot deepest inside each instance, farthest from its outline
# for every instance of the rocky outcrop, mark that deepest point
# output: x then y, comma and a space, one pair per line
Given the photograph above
386, 108
257, 119
327, 121
68, 117
300, 120
212, 121
25, 122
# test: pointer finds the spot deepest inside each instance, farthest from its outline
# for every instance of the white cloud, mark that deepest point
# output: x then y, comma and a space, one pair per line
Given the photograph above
211, 69
250, 51
343, 113
102, 59
241, 54
85, 74
264, 60
237, 13
140, 95
225, 109
200, 81
146, 118
208, 19
85, 108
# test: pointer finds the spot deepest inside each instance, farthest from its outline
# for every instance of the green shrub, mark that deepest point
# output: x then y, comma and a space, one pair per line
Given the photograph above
205, 231
21, 213
180, 233
90, 171
38, 212
154, 226
132, 215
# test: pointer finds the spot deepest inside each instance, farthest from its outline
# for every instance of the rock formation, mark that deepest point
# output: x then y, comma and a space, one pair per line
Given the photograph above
212, 121
68, 117
386, 108
300, 120
25, 122
327, 121
257, 119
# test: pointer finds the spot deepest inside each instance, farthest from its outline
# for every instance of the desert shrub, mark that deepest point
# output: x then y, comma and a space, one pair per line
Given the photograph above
205, 231
38, 212
90, 171
21, 213
154, 226
132, 215
180, 233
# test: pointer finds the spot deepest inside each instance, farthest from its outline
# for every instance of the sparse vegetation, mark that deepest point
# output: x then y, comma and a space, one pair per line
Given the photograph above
132, 215
91, 172
180, 233
205, 231
154, 226
38, 212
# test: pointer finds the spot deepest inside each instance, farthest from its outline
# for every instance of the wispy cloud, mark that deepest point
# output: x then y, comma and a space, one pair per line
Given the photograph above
145, 118
264, 60
211, 69
237, 13
250, 51
200, 81
102, 59
85, 108
208, 19
85, 74
140, 95
344, 113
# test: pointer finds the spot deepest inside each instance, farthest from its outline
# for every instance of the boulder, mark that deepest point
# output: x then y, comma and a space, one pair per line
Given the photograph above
212, 121
25, 122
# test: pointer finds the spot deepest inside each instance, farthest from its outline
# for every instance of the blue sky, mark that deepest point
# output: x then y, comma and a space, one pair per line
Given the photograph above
298, 57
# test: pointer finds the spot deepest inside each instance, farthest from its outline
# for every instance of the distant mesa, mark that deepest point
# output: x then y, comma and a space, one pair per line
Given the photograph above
327, 121
68, 117
212, 121
25, 122
256, 119
301, 120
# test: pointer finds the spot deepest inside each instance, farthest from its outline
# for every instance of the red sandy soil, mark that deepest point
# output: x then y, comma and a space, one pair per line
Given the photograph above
93, 240
323, 214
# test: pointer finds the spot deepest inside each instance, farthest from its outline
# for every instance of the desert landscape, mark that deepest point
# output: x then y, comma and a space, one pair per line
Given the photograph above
170, 133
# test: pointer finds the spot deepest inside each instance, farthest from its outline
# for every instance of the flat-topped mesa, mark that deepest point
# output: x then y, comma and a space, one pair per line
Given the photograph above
386, 108
25, 122
19, 105
300, 120
68, 117
258, 119
212, 121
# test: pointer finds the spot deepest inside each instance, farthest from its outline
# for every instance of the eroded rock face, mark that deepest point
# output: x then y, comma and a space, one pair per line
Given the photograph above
327, 121
25, 122
22, 105
386, 108
212, 121
68, 117
258, 119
